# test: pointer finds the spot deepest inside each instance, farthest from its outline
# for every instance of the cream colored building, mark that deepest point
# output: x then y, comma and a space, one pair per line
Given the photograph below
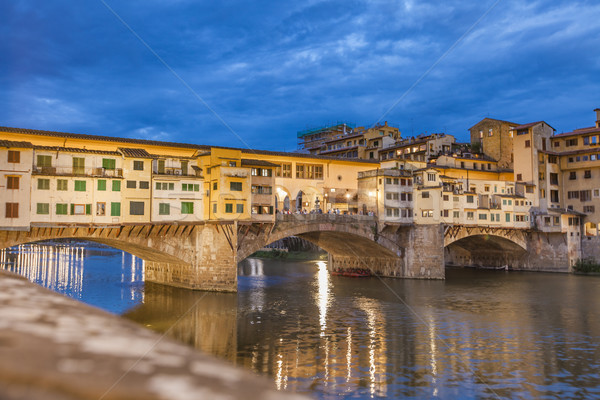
16, 159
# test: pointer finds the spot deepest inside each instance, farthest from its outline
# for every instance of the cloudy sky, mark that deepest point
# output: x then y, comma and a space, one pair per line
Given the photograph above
253, 73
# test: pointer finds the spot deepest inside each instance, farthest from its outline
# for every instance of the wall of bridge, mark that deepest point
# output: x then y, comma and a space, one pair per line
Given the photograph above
534, 251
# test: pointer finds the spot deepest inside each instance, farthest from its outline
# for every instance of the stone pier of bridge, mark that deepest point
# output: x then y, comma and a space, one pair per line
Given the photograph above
204, 256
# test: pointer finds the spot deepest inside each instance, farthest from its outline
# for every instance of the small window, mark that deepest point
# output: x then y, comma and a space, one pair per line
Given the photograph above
80, 186
101, 185
62, 184
572, 175
587, 174
164, 209
214, 185
78, 165
228, 207
100, 209
12, 182
187, 207
144, 185
528, 143
232, 163
61, 209
115, 209
519, 177
138, 165
214, 208
14, 156
239, 208
116, 186
425, 195
136, 208
43, 184
43, 208
235, 186
469, 199
109, 163
131, 184
44, 161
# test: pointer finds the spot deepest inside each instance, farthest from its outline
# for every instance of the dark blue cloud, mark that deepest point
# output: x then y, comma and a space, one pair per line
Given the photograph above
270, 69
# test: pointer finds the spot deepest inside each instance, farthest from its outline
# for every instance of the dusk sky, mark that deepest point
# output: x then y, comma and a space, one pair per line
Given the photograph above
260, 71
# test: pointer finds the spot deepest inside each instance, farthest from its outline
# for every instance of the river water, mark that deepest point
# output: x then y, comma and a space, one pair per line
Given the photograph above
476, 335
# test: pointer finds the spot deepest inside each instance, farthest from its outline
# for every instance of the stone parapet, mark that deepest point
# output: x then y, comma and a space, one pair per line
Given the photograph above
53, 347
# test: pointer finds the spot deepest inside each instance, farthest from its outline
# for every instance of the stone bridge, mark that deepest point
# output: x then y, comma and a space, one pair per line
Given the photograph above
519, 249
205, 255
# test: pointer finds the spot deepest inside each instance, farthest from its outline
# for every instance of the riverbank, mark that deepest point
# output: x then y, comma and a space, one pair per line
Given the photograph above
290, 255
53, 347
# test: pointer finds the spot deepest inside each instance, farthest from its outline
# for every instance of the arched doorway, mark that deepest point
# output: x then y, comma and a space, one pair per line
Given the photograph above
299, 201
286, 203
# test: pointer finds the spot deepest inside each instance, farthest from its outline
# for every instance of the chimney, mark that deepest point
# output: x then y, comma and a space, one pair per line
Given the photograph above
597, 117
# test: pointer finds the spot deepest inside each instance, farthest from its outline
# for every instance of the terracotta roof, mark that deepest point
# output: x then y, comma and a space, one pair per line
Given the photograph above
135, 153
340, 150
172, 144
493, 119
337, 139
76, 150
259, 163
529, 125
581, 151
10, 143
97, 137
581, 131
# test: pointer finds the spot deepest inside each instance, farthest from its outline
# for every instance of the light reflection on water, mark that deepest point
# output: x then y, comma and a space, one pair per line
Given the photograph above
93, 273
479, 334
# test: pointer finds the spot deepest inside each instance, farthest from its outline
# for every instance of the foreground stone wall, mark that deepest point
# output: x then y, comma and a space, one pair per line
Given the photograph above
53, 347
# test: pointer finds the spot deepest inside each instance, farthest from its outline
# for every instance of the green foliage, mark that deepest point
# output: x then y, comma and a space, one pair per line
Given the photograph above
476, 148
586, 265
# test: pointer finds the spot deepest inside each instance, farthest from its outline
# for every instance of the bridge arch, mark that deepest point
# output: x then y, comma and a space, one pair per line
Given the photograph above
492, 250
336, 234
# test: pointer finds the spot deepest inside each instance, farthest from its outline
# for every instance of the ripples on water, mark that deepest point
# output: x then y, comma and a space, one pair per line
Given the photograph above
479, 334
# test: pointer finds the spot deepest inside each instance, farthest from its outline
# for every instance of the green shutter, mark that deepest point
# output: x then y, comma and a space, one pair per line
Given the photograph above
164, 209
115, 209
72, 209
61, 209
116, 186
78, 165
101, 184
88, 209
196, 188
80, 186
108, 163
239, 208
187, 207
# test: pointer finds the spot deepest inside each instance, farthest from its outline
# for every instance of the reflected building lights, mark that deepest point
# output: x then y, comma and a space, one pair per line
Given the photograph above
323, 294
349, 354
61, 267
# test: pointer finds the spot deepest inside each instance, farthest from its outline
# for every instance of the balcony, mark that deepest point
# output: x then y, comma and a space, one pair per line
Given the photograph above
78, 171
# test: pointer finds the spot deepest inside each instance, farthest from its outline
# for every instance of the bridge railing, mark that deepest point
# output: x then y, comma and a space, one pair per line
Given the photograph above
324, 218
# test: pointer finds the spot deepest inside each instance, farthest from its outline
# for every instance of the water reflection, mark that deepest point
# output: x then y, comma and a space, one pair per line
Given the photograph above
90, 272
479, 334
